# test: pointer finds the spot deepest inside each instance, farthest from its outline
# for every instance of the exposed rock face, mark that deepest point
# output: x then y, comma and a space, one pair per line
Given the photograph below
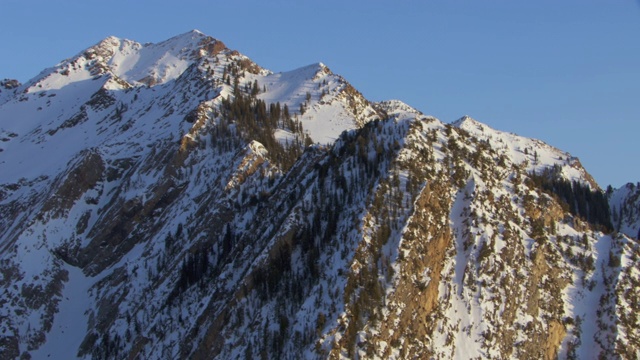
9, 84
215, 212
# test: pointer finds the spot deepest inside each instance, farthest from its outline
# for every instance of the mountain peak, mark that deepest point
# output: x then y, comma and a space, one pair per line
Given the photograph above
153, 63
315, 70
466, 121
324, 68
109, 40
472, 125
105, 48
394, 105
191, 38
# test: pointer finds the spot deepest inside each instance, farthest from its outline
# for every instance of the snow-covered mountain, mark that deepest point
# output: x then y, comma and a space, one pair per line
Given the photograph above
177, 200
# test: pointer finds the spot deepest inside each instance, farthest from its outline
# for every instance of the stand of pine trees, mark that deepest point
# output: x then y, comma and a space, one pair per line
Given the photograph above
579, 199
254, 122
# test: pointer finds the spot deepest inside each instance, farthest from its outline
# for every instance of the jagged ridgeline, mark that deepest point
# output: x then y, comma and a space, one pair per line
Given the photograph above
176, 200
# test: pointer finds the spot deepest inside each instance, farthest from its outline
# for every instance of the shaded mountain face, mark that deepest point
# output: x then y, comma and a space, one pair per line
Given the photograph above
176, 200
625, 209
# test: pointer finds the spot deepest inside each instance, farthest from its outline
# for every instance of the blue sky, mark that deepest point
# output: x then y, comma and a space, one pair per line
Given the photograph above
566, 72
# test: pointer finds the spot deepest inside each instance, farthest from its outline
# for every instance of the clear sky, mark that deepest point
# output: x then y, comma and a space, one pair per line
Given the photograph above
566, 72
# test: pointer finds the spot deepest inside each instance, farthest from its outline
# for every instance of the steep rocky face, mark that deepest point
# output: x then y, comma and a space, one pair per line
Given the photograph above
175, 200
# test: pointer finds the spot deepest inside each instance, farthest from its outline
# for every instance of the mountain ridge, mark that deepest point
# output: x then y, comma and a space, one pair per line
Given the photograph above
220, 210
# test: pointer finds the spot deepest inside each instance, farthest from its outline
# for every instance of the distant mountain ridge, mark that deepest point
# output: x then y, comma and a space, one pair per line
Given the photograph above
177, 200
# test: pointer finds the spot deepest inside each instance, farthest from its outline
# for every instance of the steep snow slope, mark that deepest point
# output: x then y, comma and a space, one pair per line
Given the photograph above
329, 104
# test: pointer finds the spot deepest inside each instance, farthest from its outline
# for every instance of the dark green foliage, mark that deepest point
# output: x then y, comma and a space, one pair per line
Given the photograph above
537, 231
614, 259
255, 89
196, 266
485, 251
254, 122
228, 240
326, 202
580, 200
